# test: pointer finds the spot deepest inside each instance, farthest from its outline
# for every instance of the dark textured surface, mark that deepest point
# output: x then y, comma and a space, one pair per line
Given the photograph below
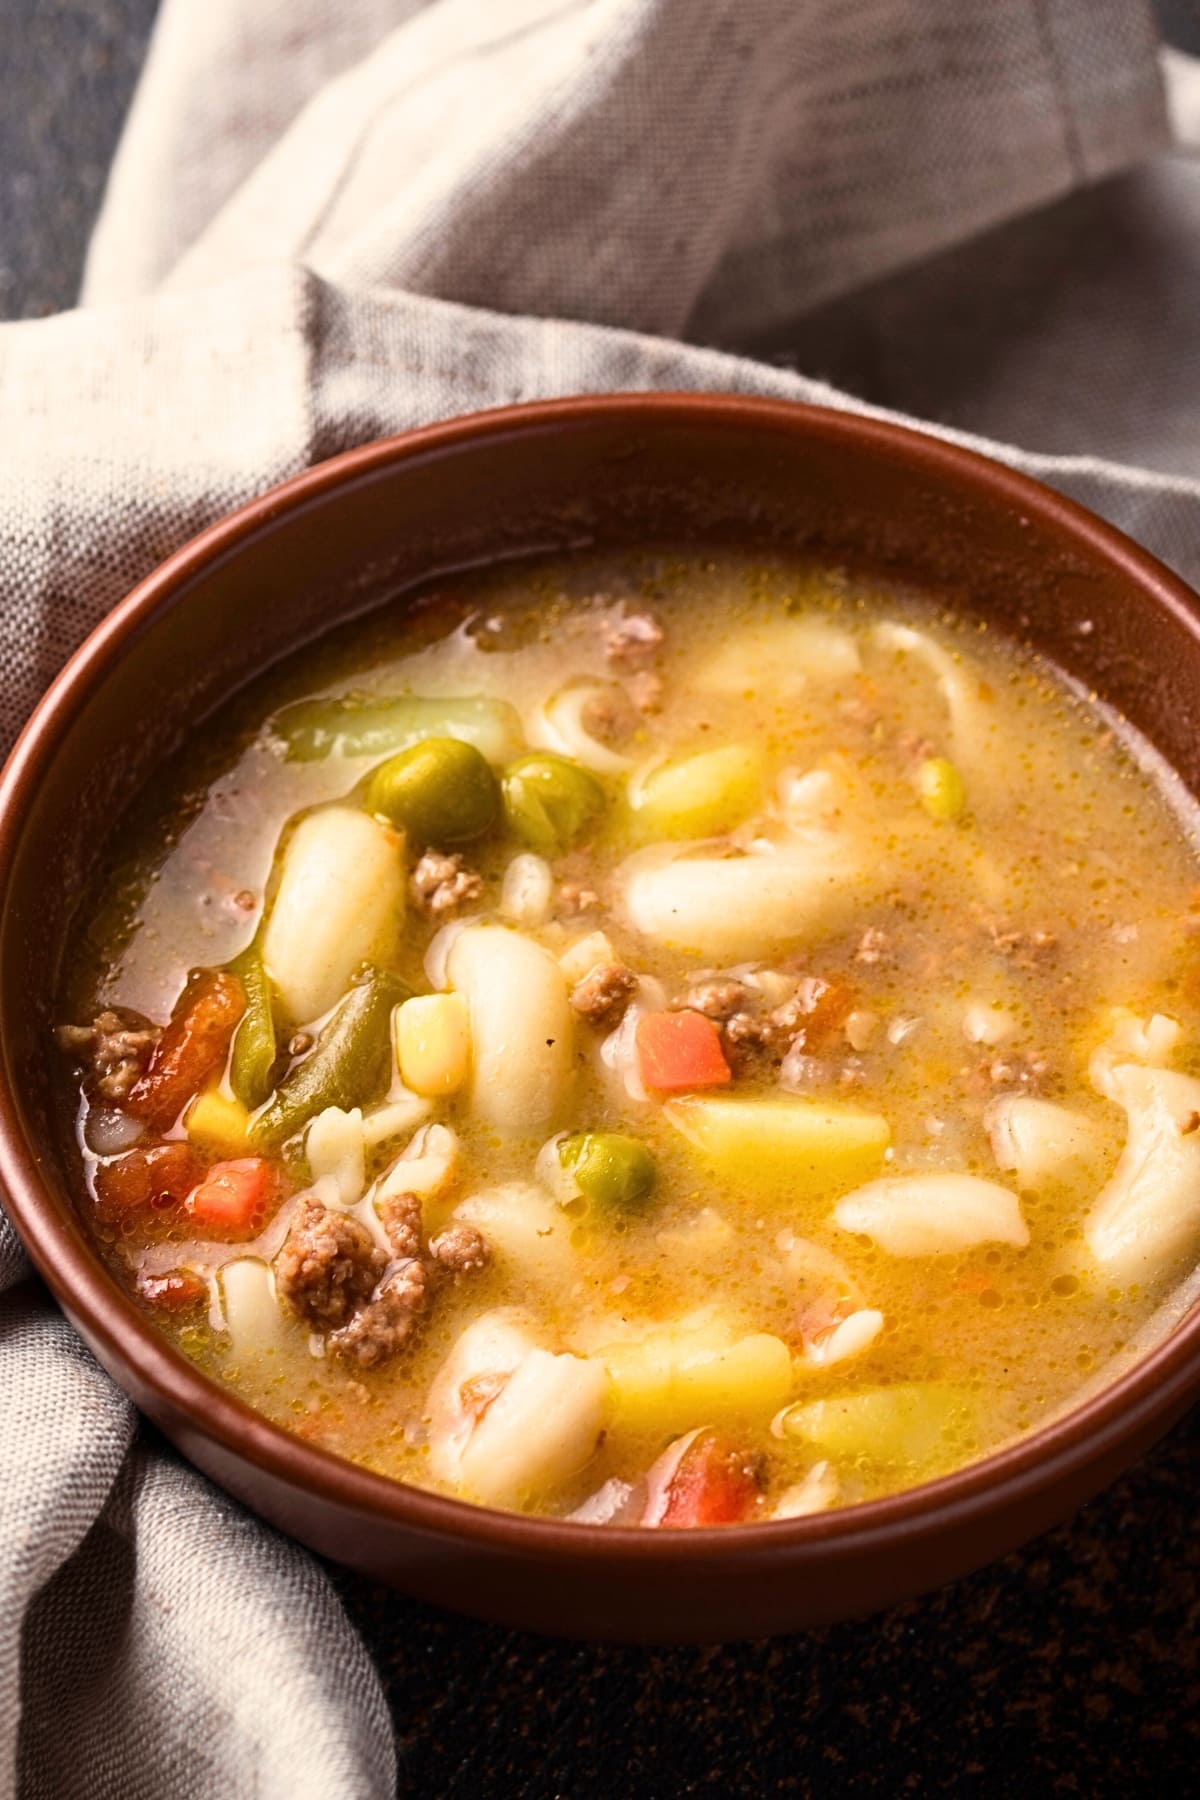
1070, 1668
68, 68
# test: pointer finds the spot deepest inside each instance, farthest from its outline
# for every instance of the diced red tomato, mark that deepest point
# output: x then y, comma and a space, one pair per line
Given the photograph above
234, 1198
147, 1181
712, 1484
174, 1292
679, 1051
192, 1048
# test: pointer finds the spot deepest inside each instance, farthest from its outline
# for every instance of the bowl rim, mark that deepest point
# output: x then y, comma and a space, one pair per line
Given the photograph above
1164, 1377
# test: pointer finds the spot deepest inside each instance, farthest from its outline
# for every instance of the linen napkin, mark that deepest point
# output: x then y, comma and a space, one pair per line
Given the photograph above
333, 219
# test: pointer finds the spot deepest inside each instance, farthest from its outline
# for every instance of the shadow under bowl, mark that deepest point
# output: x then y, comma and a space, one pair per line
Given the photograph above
596, 471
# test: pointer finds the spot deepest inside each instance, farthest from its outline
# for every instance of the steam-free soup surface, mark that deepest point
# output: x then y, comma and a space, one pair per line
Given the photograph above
666, 1042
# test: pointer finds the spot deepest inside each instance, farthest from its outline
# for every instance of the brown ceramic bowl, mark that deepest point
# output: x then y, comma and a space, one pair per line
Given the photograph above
325, 545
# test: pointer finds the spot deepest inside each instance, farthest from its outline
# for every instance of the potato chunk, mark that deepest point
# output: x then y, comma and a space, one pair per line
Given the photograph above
670, 1379
801, 1144
918, 1425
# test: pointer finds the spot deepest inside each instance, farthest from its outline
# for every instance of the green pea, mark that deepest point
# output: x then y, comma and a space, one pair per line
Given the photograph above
549, 801
255, 1049
354, 726
349, 1065
440, 791
609, 1169
941, 788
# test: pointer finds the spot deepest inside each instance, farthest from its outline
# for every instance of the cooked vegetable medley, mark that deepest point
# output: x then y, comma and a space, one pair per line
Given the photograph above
656, 1041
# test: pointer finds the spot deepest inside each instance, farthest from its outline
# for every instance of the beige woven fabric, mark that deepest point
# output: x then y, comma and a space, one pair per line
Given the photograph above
332, 219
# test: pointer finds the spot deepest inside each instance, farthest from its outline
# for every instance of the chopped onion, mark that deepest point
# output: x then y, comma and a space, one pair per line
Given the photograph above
107, 1132
618, 1051
609, 1505
815, 1492
662, 1474
850, 1337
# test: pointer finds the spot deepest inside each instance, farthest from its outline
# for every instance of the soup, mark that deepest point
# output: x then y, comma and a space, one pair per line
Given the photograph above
651, 1040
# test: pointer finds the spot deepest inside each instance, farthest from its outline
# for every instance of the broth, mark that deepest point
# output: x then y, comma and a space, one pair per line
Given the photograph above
863, 937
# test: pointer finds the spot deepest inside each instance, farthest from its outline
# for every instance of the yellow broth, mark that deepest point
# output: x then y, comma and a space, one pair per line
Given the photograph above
1061, 889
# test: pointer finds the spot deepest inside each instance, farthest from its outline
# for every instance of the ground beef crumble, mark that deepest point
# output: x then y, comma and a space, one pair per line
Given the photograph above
115, 1051
442, 884
719, 999
460, 1250
377, 1330
753, 1034
332, 1275
604, 992
328, 1267
400, 1216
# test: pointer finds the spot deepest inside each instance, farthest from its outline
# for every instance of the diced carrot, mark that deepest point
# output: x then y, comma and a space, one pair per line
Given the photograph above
234, 1198
679, 1051
147, 1181
174, 1292
192, 1048
713, 1484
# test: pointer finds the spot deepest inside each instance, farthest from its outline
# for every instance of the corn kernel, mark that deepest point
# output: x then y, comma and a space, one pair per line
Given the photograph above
433, 1043
216, 1121
941, 788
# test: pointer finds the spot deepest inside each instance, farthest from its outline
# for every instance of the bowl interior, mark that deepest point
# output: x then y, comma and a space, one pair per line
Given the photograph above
350, 534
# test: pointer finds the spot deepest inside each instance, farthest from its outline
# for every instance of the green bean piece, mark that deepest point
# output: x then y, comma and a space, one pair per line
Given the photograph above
255, 1048
312, 729
440, 791
549, 801
349, 1065
612, 1171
